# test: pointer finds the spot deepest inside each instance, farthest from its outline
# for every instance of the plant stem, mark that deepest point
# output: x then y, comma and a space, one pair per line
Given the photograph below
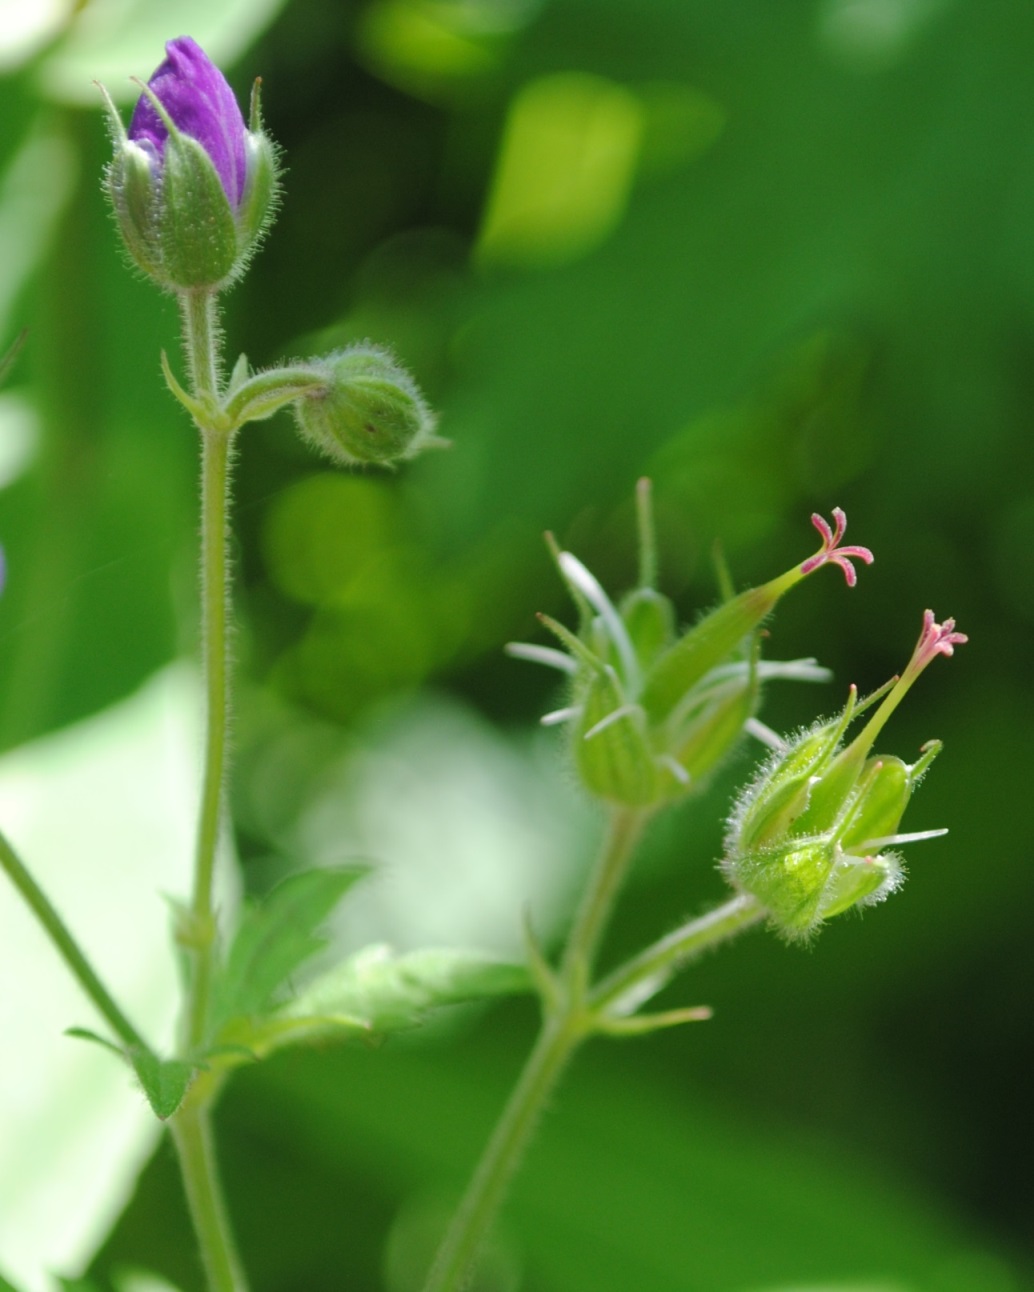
561, 1034
501, 1157
652, 968
215, 473
626, 825
201, 335
68, 947
201, 338
192, 1135
191, 1124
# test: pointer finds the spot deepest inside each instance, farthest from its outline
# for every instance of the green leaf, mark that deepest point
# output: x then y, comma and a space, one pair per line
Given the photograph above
5, 1286
276, 937
164, 1081
389, 992
375, 992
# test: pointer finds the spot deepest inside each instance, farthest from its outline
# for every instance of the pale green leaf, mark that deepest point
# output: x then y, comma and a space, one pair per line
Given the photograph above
275, 937
387, 992
375, 992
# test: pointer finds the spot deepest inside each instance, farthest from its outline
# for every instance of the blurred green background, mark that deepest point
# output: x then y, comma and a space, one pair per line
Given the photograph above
777, 255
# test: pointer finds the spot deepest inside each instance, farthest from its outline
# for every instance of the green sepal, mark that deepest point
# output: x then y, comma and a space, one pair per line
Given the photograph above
582, 653
274, 939
615, 762
131, 186
783, 793
705, 735
859, 881
789, 880
884, 791
261, 186
134, 198
197, 229
704, 647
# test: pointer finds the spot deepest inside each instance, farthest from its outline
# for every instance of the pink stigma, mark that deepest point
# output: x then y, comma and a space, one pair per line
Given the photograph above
831, 554
936, 639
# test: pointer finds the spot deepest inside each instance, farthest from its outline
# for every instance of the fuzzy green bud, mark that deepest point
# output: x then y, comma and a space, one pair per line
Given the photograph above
369, 412
807, 838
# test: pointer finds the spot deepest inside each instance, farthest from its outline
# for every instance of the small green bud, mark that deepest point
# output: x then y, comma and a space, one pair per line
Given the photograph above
807, 837
369, 412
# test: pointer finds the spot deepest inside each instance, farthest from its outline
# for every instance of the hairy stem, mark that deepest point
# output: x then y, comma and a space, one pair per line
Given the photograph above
215, 474
562, 1031
192, 1135
191, 1124
201, 337
501, 1158
68, 947
648, 971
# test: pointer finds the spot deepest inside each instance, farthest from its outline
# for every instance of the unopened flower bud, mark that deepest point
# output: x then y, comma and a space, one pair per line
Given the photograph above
807, 838
653, 713
369, 412
192, 187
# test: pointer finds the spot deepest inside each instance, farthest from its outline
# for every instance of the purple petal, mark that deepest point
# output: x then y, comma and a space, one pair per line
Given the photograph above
197, 97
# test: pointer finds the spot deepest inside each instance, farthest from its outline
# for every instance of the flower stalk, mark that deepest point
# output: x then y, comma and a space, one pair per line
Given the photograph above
566, 1023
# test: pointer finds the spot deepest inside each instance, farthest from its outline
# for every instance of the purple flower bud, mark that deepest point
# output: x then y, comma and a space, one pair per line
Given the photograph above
194, 188
201, 104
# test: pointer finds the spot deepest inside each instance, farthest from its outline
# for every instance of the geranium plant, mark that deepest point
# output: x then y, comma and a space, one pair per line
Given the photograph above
651, 712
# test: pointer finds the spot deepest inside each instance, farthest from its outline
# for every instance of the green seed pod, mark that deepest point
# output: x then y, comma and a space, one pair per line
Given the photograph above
370, 412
